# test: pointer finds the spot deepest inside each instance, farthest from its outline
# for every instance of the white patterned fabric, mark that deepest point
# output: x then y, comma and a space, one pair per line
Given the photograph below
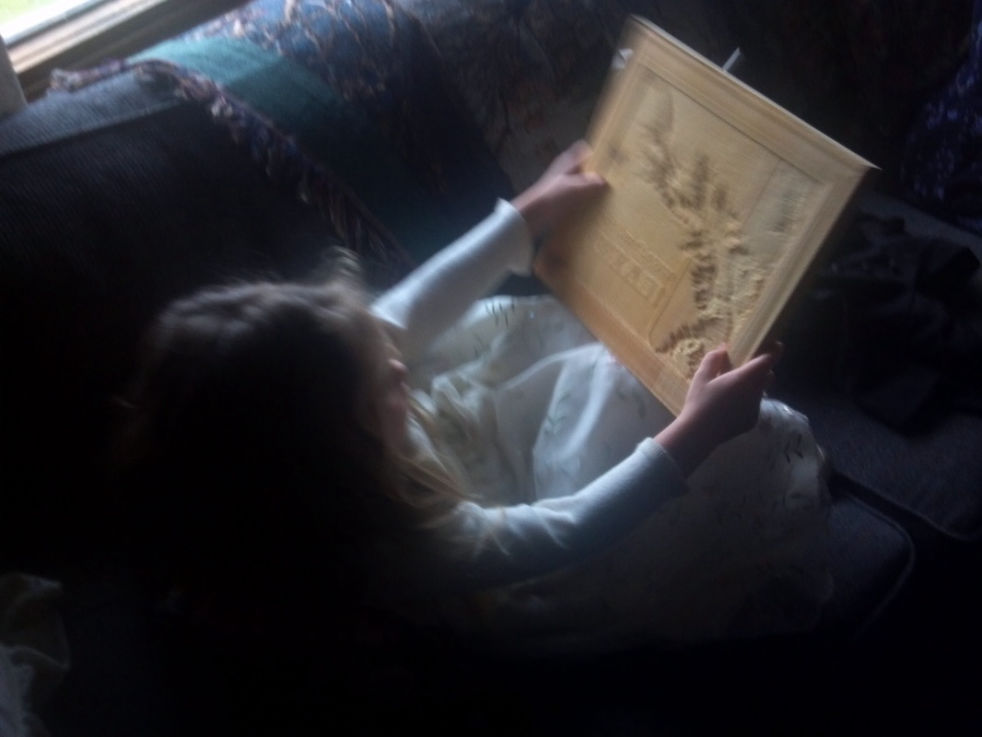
566, 485
534, 408
33, 651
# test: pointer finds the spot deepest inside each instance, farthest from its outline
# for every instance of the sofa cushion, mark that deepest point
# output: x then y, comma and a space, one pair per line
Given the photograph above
103, 223
936, 474
873, 364
349, 102
871, 558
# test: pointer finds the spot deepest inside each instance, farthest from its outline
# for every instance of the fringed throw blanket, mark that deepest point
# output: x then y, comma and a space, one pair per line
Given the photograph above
349, 103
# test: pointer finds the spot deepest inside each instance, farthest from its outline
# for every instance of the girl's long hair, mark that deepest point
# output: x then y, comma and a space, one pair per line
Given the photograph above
248, 458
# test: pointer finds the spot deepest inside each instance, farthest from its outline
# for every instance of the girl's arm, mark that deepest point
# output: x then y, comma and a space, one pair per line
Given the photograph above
429, 300
480, 547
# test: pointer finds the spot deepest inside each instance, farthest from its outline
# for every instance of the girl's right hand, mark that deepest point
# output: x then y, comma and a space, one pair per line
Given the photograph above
722, 402
560, 192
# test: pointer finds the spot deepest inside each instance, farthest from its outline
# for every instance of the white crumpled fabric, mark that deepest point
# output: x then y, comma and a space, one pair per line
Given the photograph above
533, 407
34, 653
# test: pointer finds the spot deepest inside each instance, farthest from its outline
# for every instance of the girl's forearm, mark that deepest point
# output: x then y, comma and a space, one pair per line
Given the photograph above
686, 444
428, 301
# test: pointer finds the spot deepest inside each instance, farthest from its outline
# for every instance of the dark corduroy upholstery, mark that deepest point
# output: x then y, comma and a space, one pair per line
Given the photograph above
103, 223
115, 199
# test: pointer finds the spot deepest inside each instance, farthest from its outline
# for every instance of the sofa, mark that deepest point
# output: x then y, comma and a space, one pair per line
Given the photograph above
250, 145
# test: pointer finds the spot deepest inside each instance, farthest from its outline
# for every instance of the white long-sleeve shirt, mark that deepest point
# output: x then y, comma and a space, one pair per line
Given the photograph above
481, 546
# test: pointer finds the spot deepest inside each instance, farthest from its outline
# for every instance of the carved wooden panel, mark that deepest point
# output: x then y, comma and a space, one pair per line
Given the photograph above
719, 203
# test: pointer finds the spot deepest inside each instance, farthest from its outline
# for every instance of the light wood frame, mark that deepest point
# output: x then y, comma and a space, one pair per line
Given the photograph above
718, 206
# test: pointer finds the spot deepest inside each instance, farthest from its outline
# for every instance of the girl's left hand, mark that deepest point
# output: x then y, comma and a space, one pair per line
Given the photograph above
561, 191
722, 402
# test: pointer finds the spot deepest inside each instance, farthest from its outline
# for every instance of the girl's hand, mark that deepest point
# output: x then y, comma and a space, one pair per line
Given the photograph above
722, 402
562, 190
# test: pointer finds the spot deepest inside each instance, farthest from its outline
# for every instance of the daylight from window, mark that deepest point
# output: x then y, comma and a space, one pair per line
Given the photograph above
20, 18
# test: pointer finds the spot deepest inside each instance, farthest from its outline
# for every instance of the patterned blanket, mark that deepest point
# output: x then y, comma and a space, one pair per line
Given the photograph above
530, 71
348, 102
942, 170
402, 120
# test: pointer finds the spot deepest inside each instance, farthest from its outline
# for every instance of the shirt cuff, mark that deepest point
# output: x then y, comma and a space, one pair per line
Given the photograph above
653, 450
516, 233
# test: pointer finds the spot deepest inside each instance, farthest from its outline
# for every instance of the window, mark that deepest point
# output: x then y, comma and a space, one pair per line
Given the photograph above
74, 34
21, 18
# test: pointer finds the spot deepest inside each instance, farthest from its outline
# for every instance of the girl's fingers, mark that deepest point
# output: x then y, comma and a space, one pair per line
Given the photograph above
574, 157
713, 364
592, 180
776, 348
586, 185
758, 371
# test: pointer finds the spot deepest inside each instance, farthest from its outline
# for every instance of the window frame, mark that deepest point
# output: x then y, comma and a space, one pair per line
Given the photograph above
113, 29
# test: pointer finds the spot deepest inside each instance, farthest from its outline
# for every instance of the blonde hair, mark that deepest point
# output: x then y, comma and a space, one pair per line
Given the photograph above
246, 435
437, 477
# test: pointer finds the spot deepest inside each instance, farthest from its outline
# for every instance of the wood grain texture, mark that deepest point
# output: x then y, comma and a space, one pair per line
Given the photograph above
719, 203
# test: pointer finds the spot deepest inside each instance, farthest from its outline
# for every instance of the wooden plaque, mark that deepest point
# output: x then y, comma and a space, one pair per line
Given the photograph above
719, 203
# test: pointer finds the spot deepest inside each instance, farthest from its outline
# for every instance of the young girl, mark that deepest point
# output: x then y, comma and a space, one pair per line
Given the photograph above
485, 466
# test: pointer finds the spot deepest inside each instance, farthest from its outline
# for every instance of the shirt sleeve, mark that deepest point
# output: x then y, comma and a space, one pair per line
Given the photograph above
481, 547
428, 301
